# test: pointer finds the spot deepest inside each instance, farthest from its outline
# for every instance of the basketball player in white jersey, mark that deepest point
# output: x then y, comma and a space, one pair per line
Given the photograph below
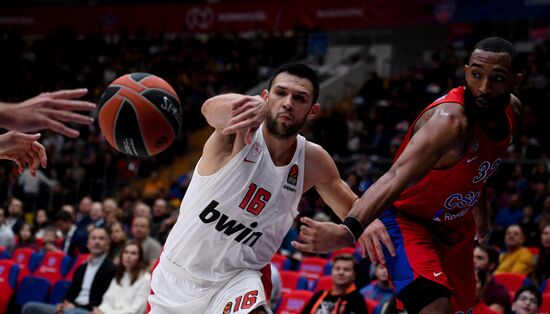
243, 198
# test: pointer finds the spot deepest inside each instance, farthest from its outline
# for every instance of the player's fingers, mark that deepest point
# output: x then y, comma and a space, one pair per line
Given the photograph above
308, 222
68, 116
378, 250
239, 102
23, 137
71, 105
41, 151
386, 240
370, 250
68, 93
305, 247
61, 128
240, 126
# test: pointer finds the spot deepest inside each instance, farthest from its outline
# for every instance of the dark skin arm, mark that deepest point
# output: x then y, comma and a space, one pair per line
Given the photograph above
443, 132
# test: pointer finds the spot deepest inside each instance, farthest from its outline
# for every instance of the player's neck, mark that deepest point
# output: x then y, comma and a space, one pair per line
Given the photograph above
281, 150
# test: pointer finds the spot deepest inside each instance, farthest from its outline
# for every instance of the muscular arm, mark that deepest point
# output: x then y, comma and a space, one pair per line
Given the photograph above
233, 117
322, 174
481, 217
443, 131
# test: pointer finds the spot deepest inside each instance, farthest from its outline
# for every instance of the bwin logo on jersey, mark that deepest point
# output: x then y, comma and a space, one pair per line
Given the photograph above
230, 226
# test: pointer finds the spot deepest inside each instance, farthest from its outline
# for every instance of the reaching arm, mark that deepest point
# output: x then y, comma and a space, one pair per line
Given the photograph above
481, 218
443, 130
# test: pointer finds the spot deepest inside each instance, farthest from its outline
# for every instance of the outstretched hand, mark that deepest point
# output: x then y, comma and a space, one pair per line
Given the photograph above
322, 237
371, 242
50, 111
247, 113
24, 150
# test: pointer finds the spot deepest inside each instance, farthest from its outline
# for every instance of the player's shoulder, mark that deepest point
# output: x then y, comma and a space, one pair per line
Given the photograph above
449, 114
314, 151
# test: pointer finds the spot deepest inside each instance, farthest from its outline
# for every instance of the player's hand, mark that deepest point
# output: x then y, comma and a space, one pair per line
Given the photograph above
24, 150
50, 111
247, 113
322, 237
371, 242
482, 233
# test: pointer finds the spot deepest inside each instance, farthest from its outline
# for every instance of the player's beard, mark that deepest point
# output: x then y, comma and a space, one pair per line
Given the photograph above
493, 106
281, 131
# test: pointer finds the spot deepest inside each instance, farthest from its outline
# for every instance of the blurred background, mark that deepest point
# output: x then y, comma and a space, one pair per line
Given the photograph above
380, 63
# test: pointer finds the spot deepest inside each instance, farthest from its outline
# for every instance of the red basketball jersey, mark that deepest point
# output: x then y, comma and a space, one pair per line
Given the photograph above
444, 198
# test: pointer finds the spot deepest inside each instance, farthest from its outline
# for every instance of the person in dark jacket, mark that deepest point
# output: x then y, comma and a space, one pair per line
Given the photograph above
90, 281
343, 297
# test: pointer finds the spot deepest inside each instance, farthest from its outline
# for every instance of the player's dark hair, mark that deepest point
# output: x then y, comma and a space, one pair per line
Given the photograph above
299, 70
492, 253
138, 269
64, 216
498, 44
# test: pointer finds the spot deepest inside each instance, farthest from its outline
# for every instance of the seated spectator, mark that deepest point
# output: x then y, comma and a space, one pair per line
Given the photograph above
495, 294
41, 221
82, 219
90, 281
527, 301
161, 212
74, 239
155, 187
15, 215
128, 291
481, 282
343, 297
49, 240
97, 216
517, 258
541, 271
7, 238
25, 238
379, 289
118, 238
151, 247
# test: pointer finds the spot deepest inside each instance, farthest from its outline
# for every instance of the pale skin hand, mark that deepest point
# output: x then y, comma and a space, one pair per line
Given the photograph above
24, 150
371, 239
48, 111
247, 114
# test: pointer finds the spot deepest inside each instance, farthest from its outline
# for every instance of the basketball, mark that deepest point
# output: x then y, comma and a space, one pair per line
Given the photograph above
140, 114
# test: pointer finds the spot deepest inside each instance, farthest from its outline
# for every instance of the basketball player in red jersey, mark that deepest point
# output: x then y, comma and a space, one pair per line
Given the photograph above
432, 198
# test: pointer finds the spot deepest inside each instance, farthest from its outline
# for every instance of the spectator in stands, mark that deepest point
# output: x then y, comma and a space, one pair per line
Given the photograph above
481, 282
97, 216
529, 226
128, 291
142, 210
49, 240
30, 185
25, 238
110, 207
155, 187
74, 239
545, 213
161, 212
527, 301
541, 271
118, 238
343, 297
82, 219
41, 221
379, 289
509, 215
7, 238
90, 281
517, 258
141, 233
15, 215
494, 294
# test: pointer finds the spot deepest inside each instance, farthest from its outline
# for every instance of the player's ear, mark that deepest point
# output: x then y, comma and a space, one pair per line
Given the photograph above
314, 110
264, 94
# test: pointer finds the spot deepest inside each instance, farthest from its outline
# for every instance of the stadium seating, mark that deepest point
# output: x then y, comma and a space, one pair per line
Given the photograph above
8, 282
512, 281
545, 286
80, 259
59, 290
313, 268
324, 283
545, 307
294, 301
347, 250
281, 262
27, 260
54, 266
292, 280
32, 288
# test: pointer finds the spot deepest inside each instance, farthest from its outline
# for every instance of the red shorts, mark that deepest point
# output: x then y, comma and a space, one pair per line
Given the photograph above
420, 253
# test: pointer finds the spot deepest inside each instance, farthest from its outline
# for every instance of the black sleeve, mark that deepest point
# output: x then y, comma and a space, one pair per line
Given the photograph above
311, 302
356, 304
76, 283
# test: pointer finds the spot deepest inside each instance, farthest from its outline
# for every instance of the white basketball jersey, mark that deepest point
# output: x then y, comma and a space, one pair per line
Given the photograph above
237, 218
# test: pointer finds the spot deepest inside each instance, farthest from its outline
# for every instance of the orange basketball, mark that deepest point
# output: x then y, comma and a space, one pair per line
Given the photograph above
140, 114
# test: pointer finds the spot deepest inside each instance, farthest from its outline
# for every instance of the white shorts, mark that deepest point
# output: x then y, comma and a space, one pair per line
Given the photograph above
175, 291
